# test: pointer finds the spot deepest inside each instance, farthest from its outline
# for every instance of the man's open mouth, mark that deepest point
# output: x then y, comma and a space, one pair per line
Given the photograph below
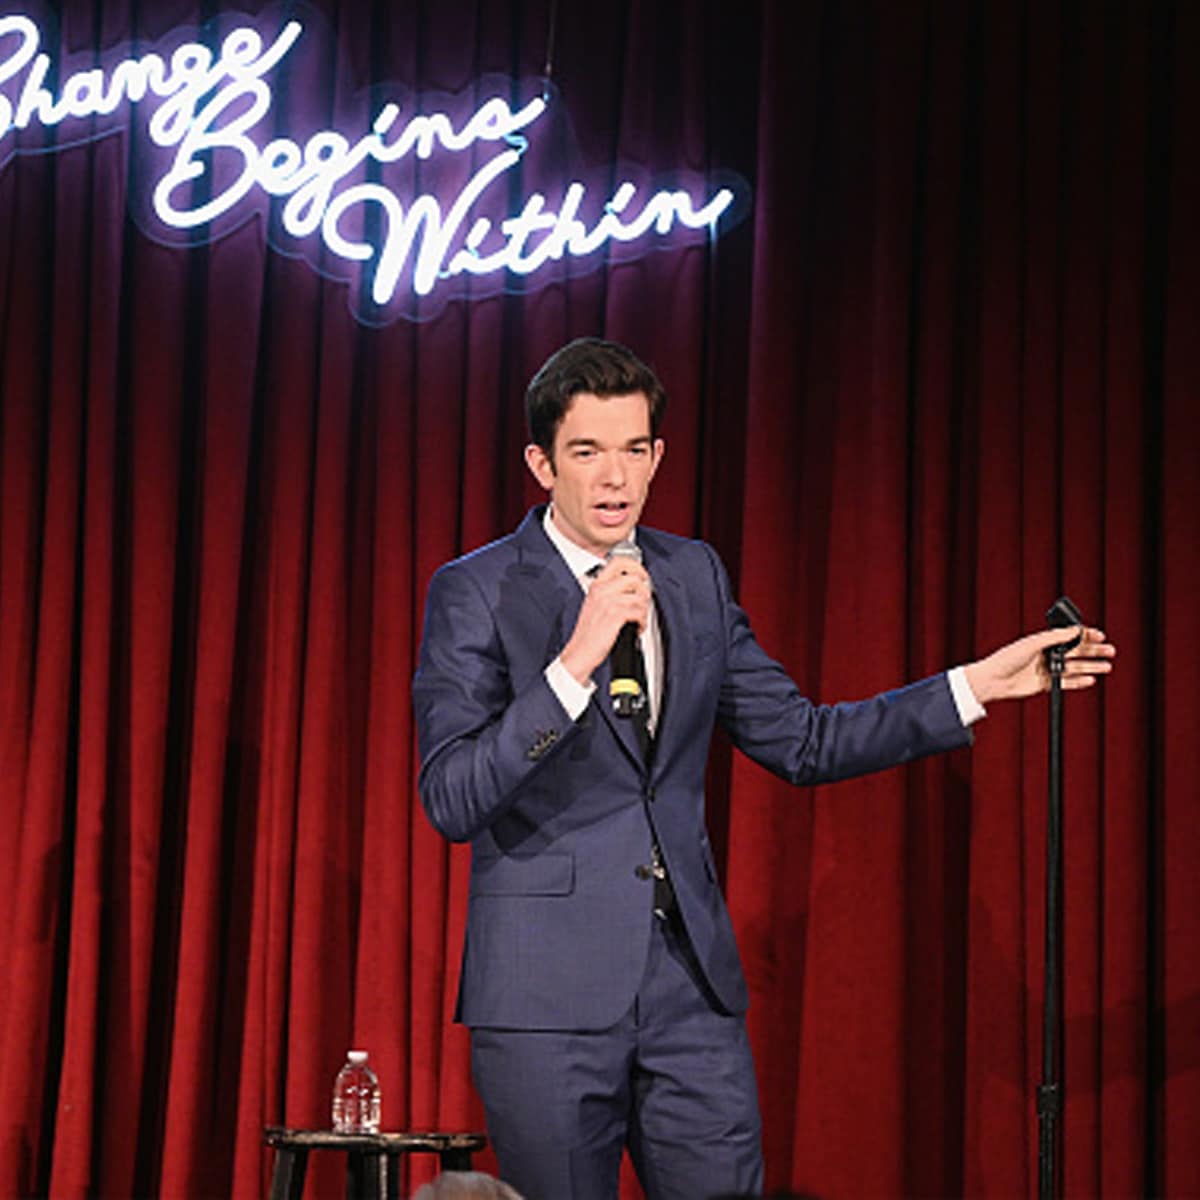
612, 511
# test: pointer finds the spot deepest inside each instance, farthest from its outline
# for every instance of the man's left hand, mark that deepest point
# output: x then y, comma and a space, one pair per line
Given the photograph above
1019, 669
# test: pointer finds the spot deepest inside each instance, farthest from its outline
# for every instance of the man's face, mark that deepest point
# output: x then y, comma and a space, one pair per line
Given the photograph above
604, 459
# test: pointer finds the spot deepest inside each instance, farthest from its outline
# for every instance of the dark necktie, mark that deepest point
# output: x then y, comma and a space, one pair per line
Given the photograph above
641, 714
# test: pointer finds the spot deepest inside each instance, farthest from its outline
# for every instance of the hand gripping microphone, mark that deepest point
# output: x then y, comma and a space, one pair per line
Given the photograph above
627, 690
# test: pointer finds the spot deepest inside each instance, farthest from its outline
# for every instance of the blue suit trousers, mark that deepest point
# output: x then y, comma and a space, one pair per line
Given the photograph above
673, 1081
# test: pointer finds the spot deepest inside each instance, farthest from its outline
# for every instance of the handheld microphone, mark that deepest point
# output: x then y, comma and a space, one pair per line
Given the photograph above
626, 691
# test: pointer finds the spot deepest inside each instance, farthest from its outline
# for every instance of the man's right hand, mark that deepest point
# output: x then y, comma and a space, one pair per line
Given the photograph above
619, 593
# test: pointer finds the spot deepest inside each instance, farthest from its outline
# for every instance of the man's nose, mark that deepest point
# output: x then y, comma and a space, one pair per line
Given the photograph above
614, 469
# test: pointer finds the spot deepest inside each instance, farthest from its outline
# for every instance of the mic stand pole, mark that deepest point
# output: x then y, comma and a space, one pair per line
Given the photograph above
1049, 1103
1049, 1095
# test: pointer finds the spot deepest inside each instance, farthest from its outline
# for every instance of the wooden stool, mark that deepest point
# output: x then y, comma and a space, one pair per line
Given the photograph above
372, 1159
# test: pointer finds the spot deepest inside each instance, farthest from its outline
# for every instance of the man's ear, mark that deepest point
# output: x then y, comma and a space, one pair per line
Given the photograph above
541, 465
659, 449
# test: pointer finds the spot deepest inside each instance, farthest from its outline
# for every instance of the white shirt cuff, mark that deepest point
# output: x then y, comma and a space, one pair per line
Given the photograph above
572, 695
969, 709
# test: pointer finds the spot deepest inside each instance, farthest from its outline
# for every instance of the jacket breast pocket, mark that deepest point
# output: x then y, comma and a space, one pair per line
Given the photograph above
538, 875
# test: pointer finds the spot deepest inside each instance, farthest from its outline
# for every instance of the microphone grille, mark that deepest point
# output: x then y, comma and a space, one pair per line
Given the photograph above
626, 549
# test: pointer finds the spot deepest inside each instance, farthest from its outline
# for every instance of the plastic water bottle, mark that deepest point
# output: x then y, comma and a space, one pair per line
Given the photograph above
356, 1096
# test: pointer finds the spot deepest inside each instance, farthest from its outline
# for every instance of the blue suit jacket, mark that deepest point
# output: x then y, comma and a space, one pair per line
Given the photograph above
560, 813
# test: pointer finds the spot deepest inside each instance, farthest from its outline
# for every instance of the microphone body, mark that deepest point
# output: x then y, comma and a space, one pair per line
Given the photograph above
626, 690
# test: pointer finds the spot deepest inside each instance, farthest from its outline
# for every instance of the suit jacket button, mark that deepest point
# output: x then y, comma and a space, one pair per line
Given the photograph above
644, 872
543, 740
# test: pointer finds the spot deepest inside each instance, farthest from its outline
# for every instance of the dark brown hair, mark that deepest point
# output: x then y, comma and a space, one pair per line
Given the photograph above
587, 365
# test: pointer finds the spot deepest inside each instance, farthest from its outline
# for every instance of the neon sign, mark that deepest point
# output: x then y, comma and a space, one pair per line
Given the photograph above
437, 199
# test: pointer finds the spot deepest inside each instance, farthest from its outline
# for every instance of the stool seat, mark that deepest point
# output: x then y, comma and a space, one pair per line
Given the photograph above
372, 1159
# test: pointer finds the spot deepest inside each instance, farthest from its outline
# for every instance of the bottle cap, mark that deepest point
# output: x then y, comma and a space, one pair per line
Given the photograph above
357, 1056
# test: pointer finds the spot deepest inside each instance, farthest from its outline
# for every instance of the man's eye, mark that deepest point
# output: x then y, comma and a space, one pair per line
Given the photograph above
639, 451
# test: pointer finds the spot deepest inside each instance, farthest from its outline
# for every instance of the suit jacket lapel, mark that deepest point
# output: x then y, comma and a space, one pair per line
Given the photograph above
549, 582
675, 621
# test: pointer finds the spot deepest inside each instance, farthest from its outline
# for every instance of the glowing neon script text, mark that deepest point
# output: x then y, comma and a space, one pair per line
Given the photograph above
208, 108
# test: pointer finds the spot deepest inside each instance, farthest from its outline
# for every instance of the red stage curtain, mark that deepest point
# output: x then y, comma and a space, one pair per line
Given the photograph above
944, 372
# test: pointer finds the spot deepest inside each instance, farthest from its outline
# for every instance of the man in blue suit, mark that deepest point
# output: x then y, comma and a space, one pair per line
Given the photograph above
600, 978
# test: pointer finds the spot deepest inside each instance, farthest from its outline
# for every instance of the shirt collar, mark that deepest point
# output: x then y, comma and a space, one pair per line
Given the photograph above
579, 560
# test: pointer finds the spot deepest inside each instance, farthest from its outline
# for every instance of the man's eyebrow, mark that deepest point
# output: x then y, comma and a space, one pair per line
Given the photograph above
643, 439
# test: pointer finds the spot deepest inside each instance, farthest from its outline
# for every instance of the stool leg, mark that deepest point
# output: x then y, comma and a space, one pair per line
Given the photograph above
287, 1180
391, 1165
364, 1176
455, 1158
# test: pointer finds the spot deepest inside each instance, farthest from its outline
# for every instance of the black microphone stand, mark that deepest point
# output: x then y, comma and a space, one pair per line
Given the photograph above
1062, 615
